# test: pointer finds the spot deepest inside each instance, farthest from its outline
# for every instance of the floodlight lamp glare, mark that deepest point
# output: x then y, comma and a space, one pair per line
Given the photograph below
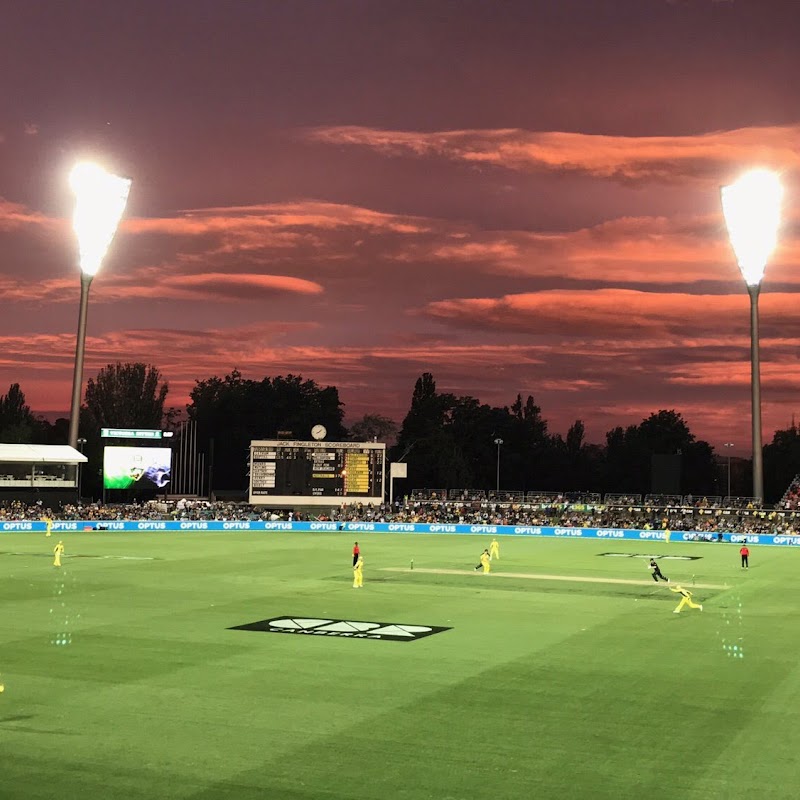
100, 200
752, 209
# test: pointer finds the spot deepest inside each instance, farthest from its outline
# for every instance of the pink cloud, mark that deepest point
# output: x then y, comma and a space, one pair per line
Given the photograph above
379, 300
307, 214
211, 286
16, 215
709, 156
606, 381
619, 313
653, 250
301, 237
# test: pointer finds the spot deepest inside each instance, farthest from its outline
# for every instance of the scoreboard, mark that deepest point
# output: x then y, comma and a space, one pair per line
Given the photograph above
316, 473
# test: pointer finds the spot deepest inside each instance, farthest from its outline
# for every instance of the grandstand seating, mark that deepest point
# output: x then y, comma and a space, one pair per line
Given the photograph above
505, 497
663, 500
791, 497
742, 502
466, 495
583, 498
623, 499
543, 498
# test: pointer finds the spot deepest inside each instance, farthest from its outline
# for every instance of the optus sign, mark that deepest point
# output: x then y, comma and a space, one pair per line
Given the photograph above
233, 526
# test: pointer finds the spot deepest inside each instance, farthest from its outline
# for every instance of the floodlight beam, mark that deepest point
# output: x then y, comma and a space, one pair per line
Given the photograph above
100, 200
752, 210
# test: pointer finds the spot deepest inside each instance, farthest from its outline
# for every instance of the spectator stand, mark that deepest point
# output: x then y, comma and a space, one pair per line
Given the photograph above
664, 500
705, 504
583, 498
743, 503
428, 496
544, 498
466, 495
704, 527
791, 497
504, 497
623, 499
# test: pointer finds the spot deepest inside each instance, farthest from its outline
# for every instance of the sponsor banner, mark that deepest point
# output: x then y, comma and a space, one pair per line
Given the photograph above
342, 628
36, 526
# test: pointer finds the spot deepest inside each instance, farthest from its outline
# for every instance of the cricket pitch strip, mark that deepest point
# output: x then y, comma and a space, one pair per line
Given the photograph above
566, 578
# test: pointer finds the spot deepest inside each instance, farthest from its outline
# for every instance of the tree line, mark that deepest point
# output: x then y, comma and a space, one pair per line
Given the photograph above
448, 441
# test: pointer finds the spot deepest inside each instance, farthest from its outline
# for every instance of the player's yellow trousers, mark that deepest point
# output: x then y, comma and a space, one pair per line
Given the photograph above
495, 553
686, 601
358, 578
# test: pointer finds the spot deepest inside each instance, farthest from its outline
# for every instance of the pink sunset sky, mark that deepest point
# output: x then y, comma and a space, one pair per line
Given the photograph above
519, 197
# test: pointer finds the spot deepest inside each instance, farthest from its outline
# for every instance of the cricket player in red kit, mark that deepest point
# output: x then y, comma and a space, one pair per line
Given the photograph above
356, 553
745, 554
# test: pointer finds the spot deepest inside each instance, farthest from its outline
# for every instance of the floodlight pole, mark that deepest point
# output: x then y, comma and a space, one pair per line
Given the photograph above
755, 390
498, 442
81, 443
80, 347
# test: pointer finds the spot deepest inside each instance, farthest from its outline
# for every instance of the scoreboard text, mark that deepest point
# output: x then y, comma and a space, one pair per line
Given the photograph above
316, 473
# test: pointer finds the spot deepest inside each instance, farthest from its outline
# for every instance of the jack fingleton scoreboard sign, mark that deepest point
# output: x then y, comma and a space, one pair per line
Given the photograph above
285, 472
131, 433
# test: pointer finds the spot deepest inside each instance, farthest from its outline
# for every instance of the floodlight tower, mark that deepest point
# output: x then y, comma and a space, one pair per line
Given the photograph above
100, 200
752, 209
498, 442
728, 446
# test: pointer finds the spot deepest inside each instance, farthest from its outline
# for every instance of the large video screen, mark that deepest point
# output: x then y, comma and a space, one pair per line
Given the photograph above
315, 473
125, 466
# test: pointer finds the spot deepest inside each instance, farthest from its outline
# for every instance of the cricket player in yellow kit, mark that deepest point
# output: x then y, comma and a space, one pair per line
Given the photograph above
49, 523
485, 559
494, 550
57, 551
686, 599
358, 573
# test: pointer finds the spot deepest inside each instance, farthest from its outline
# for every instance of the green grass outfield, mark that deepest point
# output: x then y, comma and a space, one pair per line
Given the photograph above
541, 689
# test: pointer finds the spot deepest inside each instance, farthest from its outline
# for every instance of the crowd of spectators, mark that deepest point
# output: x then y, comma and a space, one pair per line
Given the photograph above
186, 509
704, 517
700, 519
585, 498
791, 500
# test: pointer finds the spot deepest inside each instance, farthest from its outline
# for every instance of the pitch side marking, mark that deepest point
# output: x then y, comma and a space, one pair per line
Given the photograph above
529, 576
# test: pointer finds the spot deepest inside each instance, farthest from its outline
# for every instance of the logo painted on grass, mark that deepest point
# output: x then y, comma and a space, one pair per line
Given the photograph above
650, 555
343, 628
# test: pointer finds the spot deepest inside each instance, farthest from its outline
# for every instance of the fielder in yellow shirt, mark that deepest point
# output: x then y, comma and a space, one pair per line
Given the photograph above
494, 550
49, 523
667, 534
485, 559
57, 551
358, 573
686, 599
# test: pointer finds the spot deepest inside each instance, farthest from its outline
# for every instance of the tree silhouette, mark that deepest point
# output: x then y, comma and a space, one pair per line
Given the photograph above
373, 427
233, 411
18, 424
128, 395
781, 462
